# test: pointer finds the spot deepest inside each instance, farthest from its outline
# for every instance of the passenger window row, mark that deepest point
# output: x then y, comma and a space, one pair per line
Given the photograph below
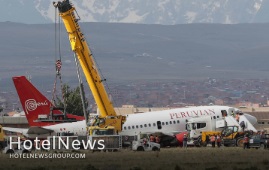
214, 117
149, 125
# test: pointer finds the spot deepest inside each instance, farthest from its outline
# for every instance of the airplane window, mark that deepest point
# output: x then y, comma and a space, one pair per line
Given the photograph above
136, 126
129, 127
174, 122
214, 117
145, 125
217, 116
132, 127
149, 125
170, 122
124, 128
166, 123
178, 121
141, 126
154, 124
162, 123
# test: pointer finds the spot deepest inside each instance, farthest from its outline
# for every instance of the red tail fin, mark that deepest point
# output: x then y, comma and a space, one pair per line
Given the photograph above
34, 103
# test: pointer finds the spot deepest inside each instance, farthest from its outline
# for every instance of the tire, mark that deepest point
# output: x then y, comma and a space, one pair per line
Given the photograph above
239, 142
262, 146
25, 151
199, 141
10, 151
204, 144
155, 149
140, 148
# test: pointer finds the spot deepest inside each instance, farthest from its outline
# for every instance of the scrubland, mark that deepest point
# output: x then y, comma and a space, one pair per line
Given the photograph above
232, 158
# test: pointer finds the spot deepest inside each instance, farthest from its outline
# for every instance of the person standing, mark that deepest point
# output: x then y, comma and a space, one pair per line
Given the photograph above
246, 142
237, 117
218, 141
212, 140
185, 139
157, 139
151, 138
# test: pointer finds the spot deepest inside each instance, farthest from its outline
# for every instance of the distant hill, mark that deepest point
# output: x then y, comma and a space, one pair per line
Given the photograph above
131, 52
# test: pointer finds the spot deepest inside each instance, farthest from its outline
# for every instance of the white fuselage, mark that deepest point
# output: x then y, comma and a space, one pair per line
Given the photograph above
168, 121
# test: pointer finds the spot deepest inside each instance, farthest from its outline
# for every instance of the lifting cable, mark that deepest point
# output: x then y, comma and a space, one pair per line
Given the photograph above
58, 63
103, 79
81, 86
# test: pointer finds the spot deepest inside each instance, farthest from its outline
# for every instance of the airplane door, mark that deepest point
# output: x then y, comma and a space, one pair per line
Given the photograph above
159, 125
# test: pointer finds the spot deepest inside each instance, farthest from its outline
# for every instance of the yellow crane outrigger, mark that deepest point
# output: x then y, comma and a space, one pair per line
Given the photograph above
108, 117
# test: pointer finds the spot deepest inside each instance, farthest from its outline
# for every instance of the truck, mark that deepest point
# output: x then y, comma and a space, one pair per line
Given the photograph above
107, 118
12, 149
15, 148
259, 141
211, 124
143, 143
230, 136
233, 136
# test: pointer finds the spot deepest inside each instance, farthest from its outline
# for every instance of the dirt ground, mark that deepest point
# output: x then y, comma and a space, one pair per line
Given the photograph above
232, 158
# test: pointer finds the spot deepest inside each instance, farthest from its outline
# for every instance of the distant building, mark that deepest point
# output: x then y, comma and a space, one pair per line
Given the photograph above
219, 102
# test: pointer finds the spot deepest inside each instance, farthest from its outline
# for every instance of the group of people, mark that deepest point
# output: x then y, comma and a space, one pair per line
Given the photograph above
215, 139
155, 139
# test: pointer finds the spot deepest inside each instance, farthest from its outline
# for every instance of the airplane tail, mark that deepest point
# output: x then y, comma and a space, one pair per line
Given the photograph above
34, 103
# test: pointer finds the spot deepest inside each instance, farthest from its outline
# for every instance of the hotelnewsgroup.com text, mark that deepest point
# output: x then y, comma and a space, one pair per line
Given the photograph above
47, 155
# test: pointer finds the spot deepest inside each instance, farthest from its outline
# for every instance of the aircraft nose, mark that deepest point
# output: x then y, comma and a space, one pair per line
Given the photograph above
251, 119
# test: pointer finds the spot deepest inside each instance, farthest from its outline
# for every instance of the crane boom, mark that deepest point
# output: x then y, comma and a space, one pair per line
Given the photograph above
80, 47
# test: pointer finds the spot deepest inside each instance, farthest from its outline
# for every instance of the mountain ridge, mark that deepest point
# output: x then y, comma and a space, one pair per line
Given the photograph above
168, 12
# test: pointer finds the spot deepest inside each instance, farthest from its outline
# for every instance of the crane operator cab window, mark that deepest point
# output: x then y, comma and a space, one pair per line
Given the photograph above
229, 130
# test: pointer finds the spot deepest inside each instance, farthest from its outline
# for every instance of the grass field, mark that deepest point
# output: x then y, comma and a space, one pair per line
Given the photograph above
168, 158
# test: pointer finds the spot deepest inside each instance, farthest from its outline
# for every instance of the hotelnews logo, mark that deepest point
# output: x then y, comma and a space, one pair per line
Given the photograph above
23, 148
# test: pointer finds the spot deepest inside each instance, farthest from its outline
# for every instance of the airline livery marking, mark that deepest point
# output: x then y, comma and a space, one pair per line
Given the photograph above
193, 112
32, 104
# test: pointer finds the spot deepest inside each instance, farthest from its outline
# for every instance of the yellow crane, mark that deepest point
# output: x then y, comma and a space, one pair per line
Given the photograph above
108, 116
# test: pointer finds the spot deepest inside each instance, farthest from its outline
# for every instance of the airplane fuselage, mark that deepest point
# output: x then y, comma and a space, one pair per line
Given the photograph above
168, 121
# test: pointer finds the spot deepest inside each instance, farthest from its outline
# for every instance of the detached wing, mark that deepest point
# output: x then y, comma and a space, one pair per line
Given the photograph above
15, 130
